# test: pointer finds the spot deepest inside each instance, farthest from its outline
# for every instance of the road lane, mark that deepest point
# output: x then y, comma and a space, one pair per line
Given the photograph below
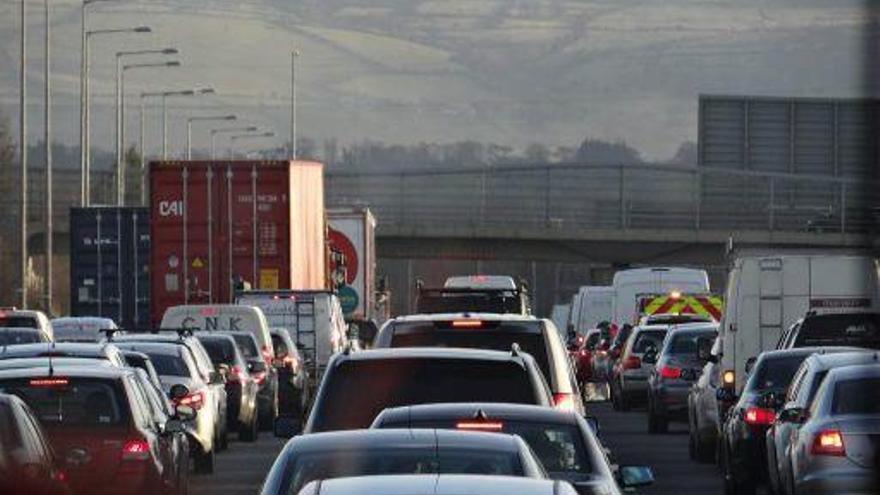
241, 469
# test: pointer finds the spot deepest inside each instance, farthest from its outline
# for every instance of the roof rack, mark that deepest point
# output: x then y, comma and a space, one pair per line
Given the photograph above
181, 332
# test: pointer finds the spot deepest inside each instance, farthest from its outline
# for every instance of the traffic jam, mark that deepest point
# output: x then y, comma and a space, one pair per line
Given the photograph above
241, 308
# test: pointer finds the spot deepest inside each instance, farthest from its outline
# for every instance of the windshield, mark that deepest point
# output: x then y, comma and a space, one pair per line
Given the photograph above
19, 321
857, 330
169, 364
221, 352
648, 339
247, 345
366, 388
858, 396
70, 402
774, 373
12, 337
686, 342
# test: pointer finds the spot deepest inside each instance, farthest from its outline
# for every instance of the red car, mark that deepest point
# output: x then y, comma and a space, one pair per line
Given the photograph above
98, 420
581, 354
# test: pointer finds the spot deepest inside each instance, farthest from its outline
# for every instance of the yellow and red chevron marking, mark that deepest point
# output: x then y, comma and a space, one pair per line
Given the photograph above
707, 304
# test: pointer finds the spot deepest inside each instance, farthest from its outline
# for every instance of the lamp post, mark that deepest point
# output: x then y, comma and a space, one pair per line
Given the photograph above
85, 124
23, 154
47, 137
189, 123
233, 139
215, 132
202, 91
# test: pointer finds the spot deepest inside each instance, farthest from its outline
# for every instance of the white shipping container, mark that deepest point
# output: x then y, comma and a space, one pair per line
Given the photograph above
352, 233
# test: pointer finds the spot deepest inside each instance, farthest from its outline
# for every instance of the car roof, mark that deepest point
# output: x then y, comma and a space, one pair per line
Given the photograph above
43, 362
171, 348
673, 329
222, 336
402, 438
853, 372
431, 353
801, 351
88, 348
464, 316
108, 372
696, 325
826, 361
646, 328
149, 337
434, 484
80, 320
465, 410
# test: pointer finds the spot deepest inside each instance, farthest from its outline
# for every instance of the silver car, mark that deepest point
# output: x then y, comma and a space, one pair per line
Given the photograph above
836, 449
630, 377
800, 394
444, 484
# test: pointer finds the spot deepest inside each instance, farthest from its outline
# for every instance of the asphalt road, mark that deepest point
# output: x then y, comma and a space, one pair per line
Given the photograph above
241, 469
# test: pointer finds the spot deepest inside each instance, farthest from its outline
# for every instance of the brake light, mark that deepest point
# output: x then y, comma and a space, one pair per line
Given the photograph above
670, 372
136, 450
259, 377
632, 363
267, 355
194, 400
829, 442
59, 476
209, 312
563, 402
583, 352
480, 425
467, 324
759, 416
49, 382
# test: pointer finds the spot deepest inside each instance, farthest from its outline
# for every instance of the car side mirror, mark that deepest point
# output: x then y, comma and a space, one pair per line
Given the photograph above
287, 426
178, 392
184, 413
724, 394
173, 426
795, 415
593, 423
750, 363
216, 378
636, 476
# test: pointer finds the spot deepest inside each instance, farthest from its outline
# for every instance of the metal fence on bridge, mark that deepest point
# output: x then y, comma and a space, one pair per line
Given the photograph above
612, 197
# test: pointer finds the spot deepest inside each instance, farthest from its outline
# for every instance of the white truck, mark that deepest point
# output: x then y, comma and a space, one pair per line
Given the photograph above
767, 293
352, 233
629, 285
314, 320
596, 304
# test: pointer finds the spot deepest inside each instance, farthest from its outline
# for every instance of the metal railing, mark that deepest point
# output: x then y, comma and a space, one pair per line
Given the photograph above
612, 197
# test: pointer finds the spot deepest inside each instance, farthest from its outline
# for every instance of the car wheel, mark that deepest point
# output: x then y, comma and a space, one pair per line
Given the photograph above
204, 462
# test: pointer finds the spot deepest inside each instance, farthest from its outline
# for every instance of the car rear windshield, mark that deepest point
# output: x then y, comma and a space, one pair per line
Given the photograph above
498, 338
19, 321
220, 351
365, 388
71, 401
686, 342
559, 447
169, 364
247, 344
340, 464
648, 338
857, 396
16, 336
855, 329
775, 373
432, 301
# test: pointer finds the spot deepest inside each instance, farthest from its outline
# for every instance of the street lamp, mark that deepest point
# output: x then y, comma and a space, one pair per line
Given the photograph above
195, 92
85, 96
214, 133
189, 122
233, 139
120, 114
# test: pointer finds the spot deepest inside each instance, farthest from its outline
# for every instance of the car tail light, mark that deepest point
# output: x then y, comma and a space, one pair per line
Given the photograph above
829, 442
480, 425
136, 450
583, 352
759, 416
259, 377
194, 400
236, 374
59, 476
632, 363
670, 372
48, 382
563, 402
467, 324
267, 355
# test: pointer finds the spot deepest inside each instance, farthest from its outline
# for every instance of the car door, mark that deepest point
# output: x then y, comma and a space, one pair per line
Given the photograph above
154, 421
39, 453
706, 407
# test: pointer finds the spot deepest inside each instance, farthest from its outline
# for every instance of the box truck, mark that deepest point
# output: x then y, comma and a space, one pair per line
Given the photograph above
631, 285
767, 293
219, 226
110, 264
352, 233
596, 304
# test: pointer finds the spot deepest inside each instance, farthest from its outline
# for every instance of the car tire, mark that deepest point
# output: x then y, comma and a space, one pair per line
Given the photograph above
204, 462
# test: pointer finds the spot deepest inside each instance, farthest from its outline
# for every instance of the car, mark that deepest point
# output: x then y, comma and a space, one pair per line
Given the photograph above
28, 463
703, 409
26, 318
369, 381
564, 442
18, 336
674, 319
437, 484
102, 350
215, 393
81, 328
183, 383
400, 451
836, 449
499, 282
538, 337
629, 379
293, 375
100, 422
618, 341
241, 389
46, 362
855, 329
742, 453
581, 355
264, 375
141, 361
675, 368
801, 394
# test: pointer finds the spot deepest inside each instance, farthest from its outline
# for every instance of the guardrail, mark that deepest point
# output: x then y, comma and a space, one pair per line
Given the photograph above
613, 197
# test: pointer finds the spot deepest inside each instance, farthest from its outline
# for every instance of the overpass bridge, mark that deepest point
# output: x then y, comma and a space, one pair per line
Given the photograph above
563, 225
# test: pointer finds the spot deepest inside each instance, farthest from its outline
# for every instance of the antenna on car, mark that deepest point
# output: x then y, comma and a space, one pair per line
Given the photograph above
49, 355
481, 415
514, 349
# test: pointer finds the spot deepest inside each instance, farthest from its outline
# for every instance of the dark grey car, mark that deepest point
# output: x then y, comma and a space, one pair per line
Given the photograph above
675, 369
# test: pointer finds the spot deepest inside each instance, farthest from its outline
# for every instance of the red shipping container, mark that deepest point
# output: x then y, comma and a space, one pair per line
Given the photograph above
214, 223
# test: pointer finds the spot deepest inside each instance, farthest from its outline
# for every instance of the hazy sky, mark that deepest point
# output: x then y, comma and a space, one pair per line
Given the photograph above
507, 71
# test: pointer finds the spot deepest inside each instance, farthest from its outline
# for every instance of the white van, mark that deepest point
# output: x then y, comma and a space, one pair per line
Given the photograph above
768, 293
81, 328
630, 284
314, 320
222, 318
559, 316
26, 318
596, 305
